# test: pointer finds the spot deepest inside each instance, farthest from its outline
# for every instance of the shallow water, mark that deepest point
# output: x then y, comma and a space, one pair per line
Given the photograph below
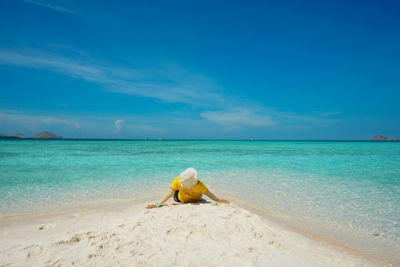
337, 187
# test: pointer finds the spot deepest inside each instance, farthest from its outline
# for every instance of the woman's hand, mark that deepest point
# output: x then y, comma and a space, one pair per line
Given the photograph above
223, 201
151, 206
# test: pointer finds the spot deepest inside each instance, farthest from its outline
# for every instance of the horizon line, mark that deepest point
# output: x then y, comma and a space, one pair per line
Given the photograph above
197, 139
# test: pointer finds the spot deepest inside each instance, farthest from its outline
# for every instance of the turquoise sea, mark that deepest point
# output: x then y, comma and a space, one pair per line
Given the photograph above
347, 191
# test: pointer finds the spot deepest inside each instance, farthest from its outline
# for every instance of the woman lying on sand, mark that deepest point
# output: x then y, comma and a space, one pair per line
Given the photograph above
187, 188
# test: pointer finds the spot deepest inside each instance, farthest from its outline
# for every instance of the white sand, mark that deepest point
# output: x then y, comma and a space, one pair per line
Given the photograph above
177, 235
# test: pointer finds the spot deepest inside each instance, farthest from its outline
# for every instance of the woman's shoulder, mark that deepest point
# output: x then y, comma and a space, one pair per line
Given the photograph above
201, 183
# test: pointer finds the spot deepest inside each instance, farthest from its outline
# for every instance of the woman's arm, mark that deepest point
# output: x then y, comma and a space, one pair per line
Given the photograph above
214, 197
167, 196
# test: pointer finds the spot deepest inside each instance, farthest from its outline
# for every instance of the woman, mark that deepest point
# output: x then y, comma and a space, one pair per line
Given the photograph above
187, 188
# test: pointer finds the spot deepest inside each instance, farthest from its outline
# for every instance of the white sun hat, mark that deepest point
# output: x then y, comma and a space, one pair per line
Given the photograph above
188, 178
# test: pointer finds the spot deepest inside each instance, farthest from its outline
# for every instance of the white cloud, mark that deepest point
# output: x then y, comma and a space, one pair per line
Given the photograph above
239, 116
169, 83
41, 60
119, 124
261, 117
316, 117
20, 118
49, 120
51, 5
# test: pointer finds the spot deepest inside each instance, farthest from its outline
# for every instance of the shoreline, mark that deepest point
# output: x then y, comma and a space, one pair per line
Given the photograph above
118, 206
312, 235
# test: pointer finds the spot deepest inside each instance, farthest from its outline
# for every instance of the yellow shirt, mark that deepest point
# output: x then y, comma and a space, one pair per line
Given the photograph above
189, 195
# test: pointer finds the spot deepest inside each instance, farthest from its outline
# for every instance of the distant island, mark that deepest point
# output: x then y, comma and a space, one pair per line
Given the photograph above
45, 135
384, 138
40, 135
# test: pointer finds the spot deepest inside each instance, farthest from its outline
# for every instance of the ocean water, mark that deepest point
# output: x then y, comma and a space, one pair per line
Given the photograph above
348, 191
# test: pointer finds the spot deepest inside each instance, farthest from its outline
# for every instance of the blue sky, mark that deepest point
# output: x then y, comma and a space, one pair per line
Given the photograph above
200, 69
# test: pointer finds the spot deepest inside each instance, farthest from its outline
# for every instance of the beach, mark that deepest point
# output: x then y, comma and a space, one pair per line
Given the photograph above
324, 203
127, 234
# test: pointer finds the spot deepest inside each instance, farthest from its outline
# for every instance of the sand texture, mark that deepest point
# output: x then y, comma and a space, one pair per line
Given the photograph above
178, 235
